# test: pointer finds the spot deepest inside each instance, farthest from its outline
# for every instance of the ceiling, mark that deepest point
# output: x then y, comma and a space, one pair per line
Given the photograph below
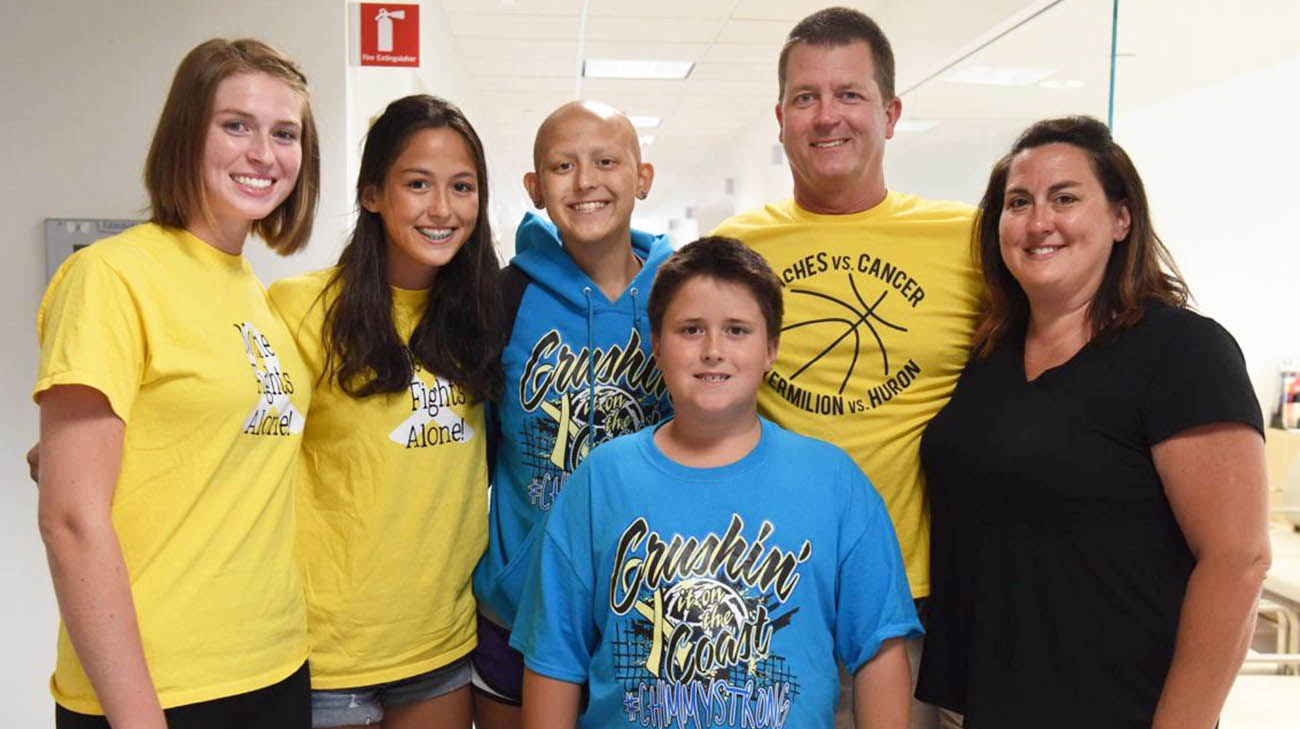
523, 59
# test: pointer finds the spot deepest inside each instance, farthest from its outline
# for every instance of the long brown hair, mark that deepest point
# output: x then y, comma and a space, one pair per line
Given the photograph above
172, 169
456, 335
1140, 269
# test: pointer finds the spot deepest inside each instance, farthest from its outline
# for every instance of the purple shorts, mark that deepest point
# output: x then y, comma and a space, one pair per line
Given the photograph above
498, 668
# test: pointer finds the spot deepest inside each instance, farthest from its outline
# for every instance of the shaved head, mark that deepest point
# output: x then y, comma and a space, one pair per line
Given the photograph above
580, 109
588, 174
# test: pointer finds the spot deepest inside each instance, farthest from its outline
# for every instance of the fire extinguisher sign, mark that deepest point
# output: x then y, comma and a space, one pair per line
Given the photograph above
385, 34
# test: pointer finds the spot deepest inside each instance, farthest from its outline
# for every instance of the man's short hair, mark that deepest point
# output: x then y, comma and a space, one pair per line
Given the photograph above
841, 26
722, 259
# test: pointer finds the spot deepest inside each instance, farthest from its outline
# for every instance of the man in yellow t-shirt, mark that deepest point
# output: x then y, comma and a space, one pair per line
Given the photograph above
881, 293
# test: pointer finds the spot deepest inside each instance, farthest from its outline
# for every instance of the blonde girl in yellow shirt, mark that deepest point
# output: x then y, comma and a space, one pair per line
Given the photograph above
399, 341
172, 404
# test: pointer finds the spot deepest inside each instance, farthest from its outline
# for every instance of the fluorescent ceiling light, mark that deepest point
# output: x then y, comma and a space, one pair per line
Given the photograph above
1061, 83
644, 121
999, 75
915, 125
635, 68
647, 139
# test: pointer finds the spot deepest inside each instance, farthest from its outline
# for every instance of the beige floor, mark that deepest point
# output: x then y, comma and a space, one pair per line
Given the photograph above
1257, 700
1263, 702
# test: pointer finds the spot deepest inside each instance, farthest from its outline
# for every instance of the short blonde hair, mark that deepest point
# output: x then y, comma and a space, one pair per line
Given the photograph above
172, 169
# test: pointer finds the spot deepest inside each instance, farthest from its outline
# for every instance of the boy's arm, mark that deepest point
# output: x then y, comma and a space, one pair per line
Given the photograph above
874, 608
882, 689
551, 704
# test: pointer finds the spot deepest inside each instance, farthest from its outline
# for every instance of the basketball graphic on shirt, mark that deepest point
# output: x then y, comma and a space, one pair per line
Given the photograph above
852, 326
696, 625
856, 325
566, 415
707, 604
615, 413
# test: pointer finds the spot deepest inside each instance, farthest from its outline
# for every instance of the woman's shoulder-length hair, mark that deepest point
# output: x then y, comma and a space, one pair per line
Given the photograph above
1140, 269
172, 168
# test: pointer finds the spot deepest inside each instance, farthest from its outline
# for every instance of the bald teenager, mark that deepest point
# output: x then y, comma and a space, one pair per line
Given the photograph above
577, 365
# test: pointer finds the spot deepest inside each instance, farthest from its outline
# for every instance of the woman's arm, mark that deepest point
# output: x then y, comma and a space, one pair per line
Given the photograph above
81, 453
882, 689
549, 703
1214, 476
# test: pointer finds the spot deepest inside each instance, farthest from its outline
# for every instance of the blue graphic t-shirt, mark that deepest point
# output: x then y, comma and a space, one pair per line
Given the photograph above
715, 597
578, 372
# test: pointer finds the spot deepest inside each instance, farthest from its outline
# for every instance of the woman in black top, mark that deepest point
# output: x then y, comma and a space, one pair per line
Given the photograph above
1097, 480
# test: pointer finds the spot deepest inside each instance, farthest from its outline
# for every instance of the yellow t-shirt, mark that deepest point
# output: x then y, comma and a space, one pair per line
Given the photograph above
879, 311
392, 510
180, 338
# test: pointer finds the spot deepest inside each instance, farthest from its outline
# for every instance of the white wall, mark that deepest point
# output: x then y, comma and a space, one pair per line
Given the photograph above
82, 83
1219, 165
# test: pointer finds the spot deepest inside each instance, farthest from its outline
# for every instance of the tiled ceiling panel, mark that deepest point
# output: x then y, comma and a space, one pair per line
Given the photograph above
523, 57
672, 30
770, 32
793, 10
516, 28
702, 9
517, 7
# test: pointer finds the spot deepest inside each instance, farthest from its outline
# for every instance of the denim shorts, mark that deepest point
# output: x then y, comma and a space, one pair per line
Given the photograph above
365, 705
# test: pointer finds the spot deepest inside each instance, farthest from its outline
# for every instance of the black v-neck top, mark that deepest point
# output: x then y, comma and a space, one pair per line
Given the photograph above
1058, 570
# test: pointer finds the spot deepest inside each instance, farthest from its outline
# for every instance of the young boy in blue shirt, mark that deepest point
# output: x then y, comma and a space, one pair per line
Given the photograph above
577, 365
709, 571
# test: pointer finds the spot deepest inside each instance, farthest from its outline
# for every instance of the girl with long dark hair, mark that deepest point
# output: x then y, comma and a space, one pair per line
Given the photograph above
398, 339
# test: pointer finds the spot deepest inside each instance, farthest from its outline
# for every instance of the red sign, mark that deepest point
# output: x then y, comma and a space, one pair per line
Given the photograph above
390, 35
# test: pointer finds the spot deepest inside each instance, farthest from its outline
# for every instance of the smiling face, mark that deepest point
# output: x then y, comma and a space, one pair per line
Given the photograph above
713, 349
252, 153
588, 174
429, 205
834, 123
1057, 228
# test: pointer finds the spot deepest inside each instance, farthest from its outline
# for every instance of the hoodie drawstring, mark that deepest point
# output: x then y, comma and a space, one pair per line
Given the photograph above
636, 312
591, 369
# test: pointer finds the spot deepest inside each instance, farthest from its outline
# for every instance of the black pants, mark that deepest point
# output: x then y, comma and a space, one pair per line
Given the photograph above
283, 705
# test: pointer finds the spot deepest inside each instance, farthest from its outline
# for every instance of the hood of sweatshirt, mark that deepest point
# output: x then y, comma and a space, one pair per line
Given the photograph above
578, 372
540, 253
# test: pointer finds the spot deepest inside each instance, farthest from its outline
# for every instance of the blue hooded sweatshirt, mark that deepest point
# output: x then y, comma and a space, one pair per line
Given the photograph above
570, 346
